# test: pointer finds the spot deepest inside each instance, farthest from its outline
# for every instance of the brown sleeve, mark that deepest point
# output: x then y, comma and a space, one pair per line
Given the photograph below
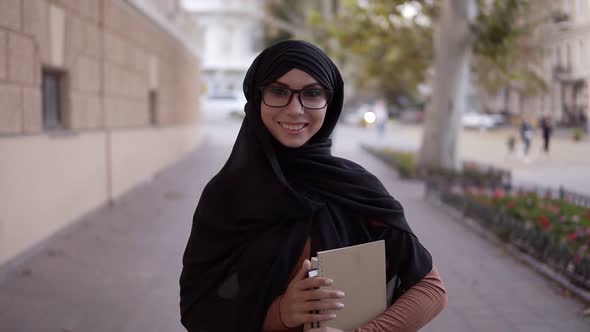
414, 309
272, 322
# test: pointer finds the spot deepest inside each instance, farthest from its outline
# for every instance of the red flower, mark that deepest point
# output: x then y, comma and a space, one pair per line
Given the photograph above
552, 208
571, 236
544, 222
577, 259
498, 193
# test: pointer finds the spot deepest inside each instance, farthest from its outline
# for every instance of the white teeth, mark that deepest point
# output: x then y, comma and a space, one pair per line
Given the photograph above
292, 127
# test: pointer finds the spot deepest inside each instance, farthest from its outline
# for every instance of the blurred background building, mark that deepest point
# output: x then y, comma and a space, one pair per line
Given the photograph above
567, 61
232, 33
96, 97
564, 66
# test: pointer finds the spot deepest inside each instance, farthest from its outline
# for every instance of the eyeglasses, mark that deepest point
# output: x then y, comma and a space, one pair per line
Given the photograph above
311, 98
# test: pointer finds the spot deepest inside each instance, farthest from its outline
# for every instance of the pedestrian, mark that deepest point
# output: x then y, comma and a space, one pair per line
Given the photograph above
547, 130
510, 143
280, 198
526, 134
380, 110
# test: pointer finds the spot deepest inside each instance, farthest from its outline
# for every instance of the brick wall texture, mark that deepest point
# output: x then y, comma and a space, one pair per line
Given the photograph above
112, 56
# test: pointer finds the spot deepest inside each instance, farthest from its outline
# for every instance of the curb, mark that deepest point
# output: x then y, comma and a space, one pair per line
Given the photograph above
532, 262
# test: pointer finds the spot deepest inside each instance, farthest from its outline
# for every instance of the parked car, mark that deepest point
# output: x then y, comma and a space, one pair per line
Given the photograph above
221, 106
480, 121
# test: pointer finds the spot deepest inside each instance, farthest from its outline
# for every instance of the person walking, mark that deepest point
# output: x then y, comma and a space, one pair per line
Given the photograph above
547, 131
526, 135
380, 110
280, 198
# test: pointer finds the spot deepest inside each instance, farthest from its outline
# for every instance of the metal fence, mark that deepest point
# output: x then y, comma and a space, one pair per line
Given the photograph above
541, 245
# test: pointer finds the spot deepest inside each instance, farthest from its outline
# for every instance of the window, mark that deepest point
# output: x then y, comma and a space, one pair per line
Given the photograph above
53, 114
153, 107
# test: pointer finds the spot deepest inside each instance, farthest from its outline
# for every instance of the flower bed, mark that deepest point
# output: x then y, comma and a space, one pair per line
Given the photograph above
552, 226
402, 161
552, 230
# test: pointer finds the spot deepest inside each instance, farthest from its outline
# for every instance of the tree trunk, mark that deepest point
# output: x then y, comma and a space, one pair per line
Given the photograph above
453, 50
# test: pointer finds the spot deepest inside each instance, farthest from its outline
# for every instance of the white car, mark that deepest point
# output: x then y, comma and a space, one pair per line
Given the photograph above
478, 120
220, 107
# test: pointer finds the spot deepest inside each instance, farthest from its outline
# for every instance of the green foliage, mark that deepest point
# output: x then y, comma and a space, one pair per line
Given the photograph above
577, 134
504, 45
289, 20
472, 173
390, 54
405, 162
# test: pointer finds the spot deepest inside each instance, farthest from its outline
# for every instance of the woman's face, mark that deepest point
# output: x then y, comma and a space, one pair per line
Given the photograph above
293, 124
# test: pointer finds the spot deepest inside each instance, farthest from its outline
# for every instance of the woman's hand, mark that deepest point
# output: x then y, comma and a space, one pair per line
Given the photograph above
325, 329
301, 297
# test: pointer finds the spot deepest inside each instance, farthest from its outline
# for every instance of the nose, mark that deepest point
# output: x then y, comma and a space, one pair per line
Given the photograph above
295, 107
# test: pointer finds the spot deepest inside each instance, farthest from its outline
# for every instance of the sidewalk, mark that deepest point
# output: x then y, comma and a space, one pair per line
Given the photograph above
117, 270
568, 163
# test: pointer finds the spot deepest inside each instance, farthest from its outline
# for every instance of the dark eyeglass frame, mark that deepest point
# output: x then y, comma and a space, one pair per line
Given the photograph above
298, 92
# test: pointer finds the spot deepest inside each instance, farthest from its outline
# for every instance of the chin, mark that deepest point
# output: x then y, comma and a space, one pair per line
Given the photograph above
292, 143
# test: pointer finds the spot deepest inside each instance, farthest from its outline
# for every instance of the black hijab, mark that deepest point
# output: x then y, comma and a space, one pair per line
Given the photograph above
255, 215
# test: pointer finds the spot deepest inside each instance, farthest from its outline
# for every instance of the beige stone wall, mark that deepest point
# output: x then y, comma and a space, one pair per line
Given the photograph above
46, 184
112, 56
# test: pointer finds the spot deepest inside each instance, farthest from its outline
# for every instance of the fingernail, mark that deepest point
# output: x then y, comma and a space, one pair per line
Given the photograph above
332, 316
328, 282
340, 294
339, 305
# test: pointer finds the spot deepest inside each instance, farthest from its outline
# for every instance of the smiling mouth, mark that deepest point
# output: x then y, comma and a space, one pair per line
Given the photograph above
293, 127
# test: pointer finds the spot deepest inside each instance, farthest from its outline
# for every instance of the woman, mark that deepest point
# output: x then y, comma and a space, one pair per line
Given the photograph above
280, 198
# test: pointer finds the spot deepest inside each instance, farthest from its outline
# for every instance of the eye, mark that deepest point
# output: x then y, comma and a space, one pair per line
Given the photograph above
277, 91
313, 93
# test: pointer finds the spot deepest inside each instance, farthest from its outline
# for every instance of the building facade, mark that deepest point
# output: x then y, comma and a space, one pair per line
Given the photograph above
563, 65
96, 96
567, 61
232, 37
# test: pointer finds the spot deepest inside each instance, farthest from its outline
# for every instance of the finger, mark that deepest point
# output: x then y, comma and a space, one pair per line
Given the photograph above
317, 282
319, 317
322, 294
302, 273
322, 305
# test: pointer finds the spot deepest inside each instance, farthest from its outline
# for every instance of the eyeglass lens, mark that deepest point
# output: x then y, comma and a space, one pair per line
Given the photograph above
313, 98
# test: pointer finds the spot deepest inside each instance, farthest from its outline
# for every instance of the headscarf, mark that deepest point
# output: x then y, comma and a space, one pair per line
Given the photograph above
255, 216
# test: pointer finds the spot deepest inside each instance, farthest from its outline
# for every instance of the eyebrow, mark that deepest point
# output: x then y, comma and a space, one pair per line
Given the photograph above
316, 84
